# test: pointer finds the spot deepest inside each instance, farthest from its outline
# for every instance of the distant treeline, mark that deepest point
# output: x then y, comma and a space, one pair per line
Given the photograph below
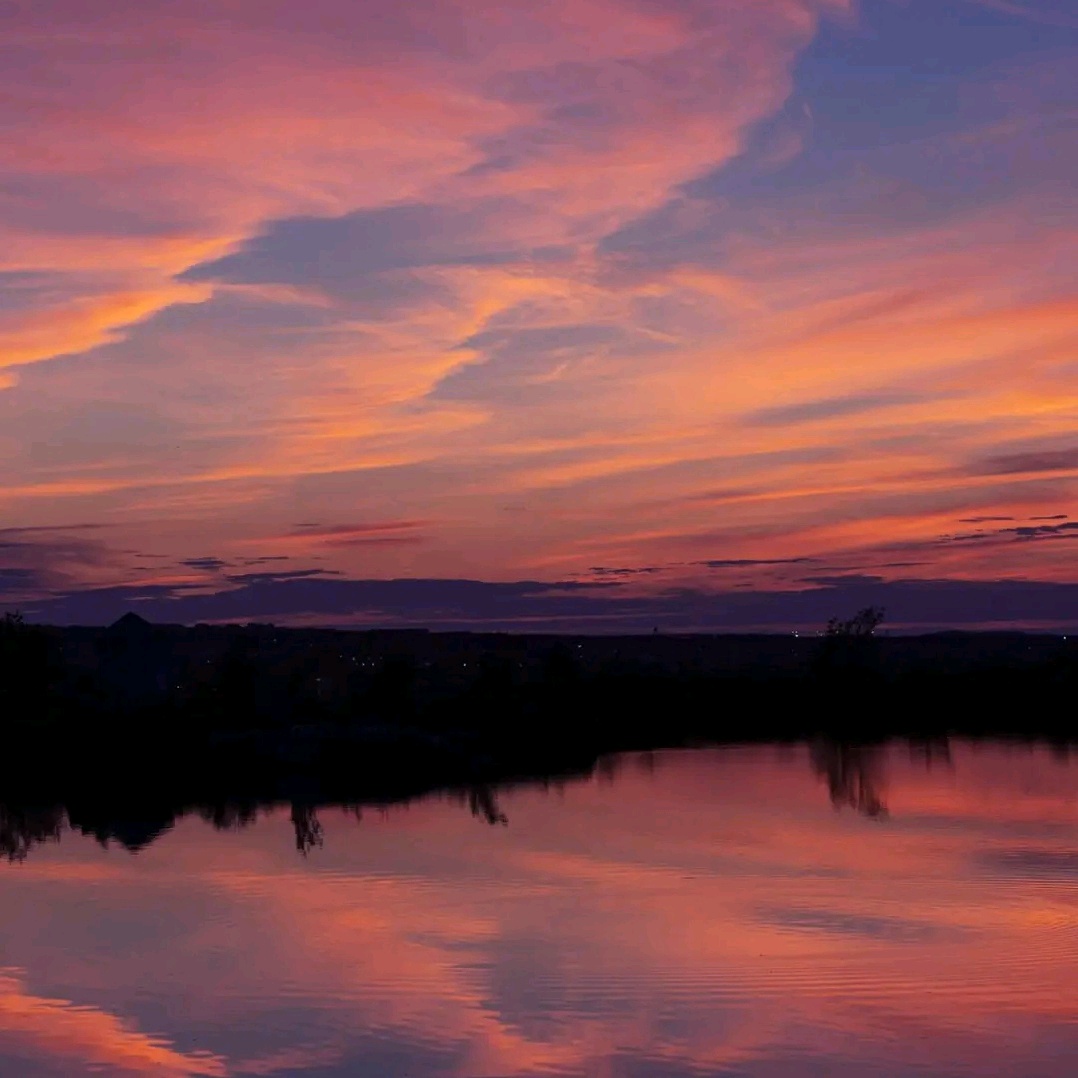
135, 699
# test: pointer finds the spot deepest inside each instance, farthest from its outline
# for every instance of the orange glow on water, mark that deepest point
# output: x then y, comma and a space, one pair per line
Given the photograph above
719, 887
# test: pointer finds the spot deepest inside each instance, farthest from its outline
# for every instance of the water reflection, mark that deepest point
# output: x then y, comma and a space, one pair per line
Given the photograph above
23, 827
854, 774
683, 914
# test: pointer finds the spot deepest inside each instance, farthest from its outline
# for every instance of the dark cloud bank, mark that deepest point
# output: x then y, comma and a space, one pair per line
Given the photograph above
601, 606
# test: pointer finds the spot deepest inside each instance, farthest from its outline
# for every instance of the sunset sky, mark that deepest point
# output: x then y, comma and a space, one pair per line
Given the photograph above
595, 314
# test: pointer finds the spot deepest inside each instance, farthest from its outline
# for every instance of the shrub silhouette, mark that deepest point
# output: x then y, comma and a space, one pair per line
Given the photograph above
847, 657
864, 623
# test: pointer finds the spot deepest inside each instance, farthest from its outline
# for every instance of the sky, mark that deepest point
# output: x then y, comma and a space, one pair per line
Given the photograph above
592, 314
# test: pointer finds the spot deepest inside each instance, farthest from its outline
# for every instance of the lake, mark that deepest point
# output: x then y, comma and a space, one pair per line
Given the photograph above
755, 912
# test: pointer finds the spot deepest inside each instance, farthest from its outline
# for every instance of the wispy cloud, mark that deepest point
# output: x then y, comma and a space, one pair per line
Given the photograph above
1058, 460
829, 408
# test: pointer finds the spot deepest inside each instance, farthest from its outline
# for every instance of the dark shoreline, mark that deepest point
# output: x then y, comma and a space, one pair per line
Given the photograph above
260, 713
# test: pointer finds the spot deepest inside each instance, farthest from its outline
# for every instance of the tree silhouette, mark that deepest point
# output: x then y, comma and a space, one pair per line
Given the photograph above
863, 624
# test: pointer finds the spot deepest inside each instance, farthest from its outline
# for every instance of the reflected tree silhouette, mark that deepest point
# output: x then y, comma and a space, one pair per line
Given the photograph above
230, 816
608, 768
483, 803
854, 775
21, 829
133, 824
307, 826
648, 762
933, 752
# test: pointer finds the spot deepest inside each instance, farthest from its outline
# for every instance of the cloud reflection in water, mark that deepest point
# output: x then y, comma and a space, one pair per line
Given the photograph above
681, 913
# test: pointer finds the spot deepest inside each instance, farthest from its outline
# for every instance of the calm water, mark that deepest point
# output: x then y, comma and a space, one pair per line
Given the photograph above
751, 912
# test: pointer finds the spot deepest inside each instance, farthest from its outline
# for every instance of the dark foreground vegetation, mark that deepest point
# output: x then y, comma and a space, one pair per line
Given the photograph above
261, 712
